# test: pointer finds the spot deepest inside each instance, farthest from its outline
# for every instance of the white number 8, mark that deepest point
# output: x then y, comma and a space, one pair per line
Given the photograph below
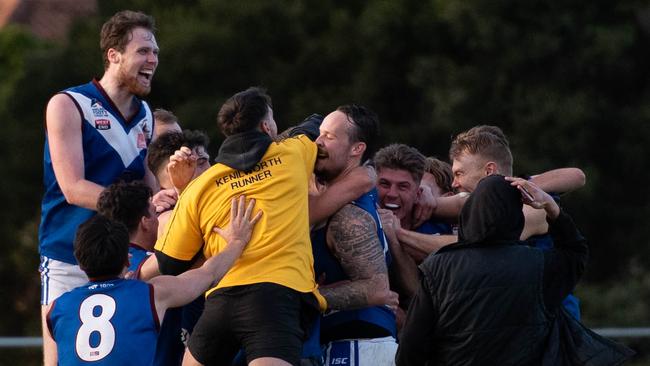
91, 323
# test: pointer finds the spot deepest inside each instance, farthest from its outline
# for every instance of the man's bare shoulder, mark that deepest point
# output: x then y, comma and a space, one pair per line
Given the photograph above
61, 109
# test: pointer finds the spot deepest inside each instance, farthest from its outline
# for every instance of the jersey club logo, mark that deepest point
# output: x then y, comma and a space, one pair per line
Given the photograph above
98, 109
102, 124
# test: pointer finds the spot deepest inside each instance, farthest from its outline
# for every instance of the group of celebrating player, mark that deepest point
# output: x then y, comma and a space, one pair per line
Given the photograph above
300, 247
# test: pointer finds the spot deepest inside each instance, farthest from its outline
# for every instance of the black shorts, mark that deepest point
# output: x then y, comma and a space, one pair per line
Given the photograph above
265, 319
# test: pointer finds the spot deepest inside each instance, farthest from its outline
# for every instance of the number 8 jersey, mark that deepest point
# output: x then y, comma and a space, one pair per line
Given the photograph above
105, 323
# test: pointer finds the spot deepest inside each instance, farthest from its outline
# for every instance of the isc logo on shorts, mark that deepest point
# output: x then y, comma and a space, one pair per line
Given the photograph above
102, 124
339, 361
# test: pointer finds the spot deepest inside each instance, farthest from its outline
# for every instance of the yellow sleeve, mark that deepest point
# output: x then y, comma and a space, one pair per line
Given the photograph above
183, 238
310, 151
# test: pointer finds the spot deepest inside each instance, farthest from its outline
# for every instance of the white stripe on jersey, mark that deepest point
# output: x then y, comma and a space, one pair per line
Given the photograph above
126, 145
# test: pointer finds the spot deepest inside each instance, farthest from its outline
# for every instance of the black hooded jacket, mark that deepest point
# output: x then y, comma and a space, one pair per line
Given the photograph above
487, 300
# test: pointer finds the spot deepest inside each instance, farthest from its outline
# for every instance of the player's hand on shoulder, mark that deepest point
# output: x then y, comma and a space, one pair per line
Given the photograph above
242, 222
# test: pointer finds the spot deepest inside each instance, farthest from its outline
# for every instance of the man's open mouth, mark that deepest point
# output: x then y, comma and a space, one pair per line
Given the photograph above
147, 74
392, 206
322, 154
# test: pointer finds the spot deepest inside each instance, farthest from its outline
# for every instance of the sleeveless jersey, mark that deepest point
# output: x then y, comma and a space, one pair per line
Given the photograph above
378, 317
169, 347
137, 255
110, 322
113, 149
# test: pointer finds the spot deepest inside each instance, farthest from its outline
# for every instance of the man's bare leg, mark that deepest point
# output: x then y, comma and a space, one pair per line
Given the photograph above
50, 357
189, 360
268, 361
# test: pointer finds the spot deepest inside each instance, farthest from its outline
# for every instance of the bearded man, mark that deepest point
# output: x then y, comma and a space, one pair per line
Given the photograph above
96, 134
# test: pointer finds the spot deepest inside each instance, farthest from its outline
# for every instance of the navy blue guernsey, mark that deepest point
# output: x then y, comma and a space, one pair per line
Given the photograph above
113, 149
434, 228
105, 323
169, 346
137, 256
370, 322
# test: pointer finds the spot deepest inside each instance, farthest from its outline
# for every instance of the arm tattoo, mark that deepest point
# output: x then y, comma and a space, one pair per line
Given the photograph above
352, 238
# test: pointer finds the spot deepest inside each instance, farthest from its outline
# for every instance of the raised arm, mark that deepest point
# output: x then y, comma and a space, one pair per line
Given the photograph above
352, 238
565, 263
560, 180
63, 123
181, 168
174, 291
403, 271
326, 202
308, 127
449, 207
534, 224
424, 243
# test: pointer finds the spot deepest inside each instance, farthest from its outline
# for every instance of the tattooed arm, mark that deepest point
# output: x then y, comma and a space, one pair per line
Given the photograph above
352, 238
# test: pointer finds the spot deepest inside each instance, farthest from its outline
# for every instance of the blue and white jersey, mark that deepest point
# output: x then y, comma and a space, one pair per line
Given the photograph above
110, 322
370, 322
113, 149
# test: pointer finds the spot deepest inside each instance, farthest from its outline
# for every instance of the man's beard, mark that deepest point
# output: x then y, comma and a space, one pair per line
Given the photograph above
132, 85
325, 175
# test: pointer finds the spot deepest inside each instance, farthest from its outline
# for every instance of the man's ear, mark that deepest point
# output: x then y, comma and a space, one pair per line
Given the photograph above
144, 223
358, 149
491, 168
113, 56
264, 126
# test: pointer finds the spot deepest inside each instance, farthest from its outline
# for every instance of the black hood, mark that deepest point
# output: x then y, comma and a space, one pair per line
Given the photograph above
242, 151
492, 213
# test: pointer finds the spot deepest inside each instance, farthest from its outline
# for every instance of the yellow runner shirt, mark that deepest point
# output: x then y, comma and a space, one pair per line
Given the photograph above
280, 249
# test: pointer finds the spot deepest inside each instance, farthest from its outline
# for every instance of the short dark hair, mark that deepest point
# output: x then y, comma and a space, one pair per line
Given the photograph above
487, 141
401, 157
365, 127
101, 247
116, 32
125, 202
195, 138
164, 117
441, 171
244, 111
159, 151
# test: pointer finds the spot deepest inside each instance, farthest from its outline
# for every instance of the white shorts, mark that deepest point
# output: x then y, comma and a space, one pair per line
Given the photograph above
361, 352
58, 278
